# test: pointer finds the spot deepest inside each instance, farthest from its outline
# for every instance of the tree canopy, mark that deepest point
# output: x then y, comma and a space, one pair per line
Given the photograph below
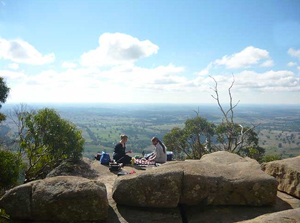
47, 140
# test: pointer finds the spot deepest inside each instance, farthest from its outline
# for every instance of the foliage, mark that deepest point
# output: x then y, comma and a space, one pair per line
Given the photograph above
4, 90
4, 218
175, 140
230, 136
233, 137
10, 167
47, 140
270, 158
255, 152
193, 140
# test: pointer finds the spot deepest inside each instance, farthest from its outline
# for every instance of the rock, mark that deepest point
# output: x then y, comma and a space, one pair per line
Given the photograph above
223, 178
82, 169
289, 216
17, 202
151, 189
230, 214
58, 199
219, 178
287, 173
149, 215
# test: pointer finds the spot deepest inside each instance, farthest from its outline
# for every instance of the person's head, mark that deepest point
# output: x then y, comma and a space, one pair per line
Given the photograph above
124, 138
154, 140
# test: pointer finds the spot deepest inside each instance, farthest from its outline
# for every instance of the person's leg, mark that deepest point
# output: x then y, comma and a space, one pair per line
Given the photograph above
125, 160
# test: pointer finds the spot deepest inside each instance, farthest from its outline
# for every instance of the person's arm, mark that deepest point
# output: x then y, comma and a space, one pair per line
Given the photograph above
151, 158
129, 151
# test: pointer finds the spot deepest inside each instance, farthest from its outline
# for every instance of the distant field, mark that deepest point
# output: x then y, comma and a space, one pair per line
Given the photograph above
101, 125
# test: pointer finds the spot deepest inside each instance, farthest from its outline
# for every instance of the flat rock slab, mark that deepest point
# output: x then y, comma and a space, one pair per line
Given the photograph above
287, 173
57, 199
289, 216
219, 178
230, 214
150, 189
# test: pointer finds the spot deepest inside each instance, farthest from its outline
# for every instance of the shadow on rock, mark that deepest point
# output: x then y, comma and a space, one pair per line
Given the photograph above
230, 214
148, 215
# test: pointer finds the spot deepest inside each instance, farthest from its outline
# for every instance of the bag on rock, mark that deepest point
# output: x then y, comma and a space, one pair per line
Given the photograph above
105, 158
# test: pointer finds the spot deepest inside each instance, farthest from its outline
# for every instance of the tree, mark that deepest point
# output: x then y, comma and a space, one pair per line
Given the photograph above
232, 136
4, 91
176, 141
10, 166
46, 140
9, 162
193, 140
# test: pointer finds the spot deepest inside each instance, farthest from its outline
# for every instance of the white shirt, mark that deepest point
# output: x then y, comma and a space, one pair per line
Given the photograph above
160, 156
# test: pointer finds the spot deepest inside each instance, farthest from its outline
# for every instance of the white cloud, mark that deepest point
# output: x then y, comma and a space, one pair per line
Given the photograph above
271, 80
118, 48
291, 64
298, 67
268, 63
206, 70
69, 65
12, 76
247, 57
93, 85
294, 53
13, 66
20, 51
243, 59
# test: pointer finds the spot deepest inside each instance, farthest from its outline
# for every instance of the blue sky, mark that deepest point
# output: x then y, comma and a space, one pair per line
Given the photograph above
150, 51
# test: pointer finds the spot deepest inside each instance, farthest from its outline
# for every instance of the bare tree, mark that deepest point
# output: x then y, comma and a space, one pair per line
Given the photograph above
232, 137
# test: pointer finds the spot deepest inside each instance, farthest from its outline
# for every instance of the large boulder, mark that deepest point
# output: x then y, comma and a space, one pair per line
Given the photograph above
289, 216
287, 173
57, 199
223, 178
220, 178
81, 168
230, 214
151, 189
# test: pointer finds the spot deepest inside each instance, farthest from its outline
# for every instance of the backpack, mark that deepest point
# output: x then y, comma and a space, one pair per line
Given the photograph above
105, 158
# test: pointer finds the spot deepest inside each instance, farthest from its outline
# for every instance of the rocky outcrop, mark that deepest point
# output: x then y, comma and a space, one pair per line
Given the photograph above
57, 199
224, 178
230, 214
289, 216
152, 189
287, 173
82, 168
219, 178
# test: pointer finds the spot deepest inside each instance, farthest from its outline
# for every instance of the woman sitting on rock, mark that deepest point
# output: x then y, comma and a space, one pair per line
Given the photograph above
119, 154
160, 151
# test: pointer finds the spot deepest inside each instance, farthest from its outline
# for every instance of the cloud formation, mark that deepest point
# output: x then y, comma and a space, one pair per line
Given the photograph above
13, 66
118, 48
294, 53
68, 65
244, 59
247, 57
20, 51
291, 64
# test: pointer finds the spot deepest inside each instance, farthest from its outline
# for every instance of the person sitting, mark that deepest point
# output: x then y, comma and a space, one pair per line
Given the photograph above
160, 151
119, 154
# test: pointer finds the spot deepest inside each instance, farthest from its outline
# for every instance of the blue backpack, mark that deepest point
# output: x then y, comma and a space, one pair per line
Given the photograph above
105, 158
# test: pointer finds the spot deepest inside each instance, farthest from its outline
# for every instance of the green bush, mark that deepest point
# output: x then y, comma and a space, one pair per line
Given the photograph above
47, 140
270, 158
10, 167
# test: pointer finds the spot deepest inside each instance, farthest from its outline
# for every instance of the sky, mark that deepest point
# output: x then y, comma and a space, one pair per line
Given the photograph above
150, 51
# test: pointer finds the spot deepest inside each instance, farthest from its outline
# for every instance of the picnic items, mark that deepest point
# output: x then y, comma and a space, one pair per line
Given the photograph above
143, 162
